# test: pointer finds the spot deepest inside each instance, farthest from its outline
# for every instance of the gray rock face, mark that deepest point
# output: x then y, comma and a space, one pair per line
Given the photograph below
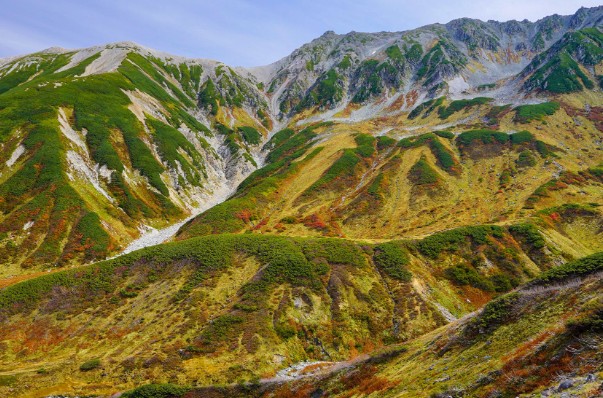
565, 384
335, 70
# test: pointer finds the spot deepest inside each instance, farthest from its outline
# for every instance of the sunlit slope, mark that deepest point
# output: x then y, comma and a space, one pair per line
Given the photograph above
227, 308
346, 180
99, 143
543, 339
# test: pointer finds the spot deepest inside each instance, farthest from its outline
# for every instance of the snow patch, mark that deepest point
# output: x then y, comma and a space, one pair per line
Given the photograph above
154, 236
105, 172
19, 150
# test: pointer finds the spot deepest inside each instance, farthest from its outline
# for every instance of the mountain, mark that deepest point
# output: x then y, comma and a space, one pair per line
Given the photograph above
363, 216
105, 142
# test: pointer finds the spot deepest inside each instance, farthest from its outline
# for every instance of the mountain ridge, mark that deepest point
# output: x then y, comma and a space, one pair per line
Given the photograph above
363, 197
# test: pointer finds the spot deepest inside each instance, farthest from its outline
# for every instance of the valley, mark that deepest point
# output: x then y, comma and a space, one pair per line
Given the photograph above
414, 213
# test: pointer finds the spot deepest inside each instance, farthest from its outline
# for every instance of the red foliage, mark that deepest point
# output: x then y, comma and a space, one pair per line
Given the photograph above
262, 223
555, 217
279, 227
364, 381
315, 222
244, 215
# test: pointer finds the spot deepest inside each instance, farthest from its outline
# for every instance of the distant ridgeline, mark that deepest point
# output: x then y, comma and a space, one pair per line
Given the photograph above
412, 213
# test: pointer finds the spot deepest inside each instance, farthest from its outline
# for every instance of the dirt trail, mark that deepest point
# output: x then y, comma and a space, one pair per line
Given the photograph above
304, 370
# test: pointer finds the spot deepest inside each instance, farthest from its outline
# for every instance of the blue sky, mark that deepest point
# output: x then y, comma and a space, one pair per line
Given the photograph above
238, 32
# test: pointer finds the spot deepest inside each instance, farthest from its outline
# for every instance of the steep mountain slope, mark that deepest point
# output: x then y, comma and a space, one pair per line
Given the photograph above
465, 56
341, 180
101, 142
371, 190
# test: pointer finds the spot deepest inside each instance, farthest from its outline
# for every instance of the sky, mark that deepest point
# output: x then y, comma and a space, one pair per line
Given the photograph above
237, 32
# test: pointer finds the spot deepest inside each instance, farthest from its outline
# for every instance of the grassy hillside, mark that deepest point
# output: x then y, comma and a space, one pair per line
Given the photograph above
339, 180
227, 308
544, 339
397, 228
92, 157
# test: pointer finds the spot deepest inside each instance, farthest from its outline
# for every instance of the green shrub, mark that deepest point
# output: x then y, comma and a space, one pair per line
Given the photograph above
250, 135
345, 63
503, 283
526, 159
521, 137
170, 143
485, 136
414, 53
157, 391
444, 157
333, 251
452, 240
529, 234
392, 259
421, 173
495, 313
459, 105
428, 107
327, 91
342, 167
90, 365
394, 53
527, 113
589, 323
464, 275
583, 266
384, 142
444, 134
285, 331
365, 144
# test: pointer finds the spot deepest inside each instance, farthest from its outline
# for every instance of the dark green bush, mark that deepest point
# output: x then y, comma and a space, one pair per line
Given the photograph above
526, 159
588, 323
529, 234
384, 141
527, 113
584, 266
250, 135
90, 365
495, 313
464, 275
485, 136
157, 391
394, 53
285, 331
366, 145
444, 134
342, 167
453, 239
421, 173
521, 137
459, 105
428, 107
392, 259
